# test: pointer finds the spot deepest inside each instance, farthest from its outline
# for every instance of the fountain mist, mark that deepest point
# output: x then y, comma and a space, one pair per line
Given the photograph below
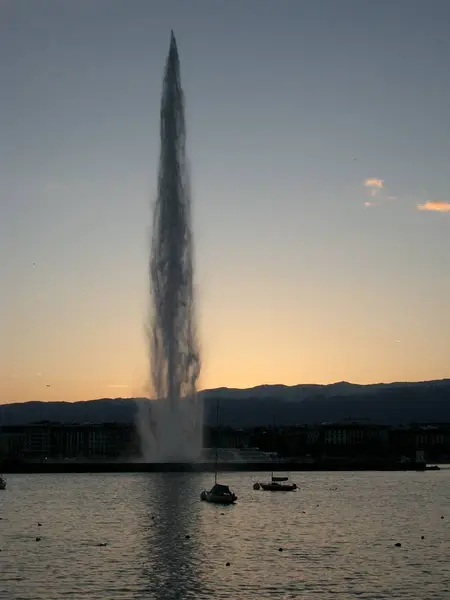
172, 428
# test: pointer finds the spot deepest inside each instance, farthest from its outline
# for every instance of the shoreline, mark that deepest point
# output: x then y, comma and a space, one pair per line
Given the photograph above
205, 467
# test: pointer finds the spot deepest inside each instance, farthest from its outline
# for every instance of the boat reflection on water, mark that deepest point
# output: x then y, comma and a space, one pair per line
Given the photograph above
172, 569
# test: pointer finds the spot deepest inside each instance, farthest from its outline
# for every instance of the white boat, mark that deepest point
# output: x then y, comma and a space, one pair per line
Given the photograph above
2, 483
219, 494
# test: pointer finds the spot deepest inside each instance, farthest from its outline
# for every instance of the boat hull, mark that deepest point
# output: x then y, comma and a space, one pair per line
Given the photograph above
2, 484
218, 498
278, 487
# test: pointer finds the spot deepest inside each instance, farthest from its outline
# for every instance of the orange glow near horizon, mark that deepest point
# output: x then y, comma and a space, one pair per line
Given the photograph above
241, 348
320, 214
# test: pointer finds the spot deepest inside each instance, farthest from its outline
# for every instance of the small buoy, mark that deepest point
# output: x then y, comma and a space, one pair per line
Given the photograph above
422, 537
187, 536
442, 517
38, 539
227, 565
256, 486
398, 545
280, 549
222, 513
153, 516
39, 524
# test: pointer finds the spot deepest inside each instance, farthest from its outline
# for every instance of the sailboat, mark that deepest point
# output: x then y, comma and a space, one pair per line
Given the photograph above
2, 479
219, 493
276, 484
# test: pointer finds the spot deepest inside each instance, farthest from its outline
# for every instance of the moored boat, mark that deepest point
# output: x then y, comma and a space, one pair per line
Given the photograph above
276, 484
219, 494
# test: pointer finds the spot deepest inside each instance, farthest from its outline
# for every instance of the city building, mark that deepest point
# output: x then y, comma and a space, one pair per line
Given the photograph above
46, 441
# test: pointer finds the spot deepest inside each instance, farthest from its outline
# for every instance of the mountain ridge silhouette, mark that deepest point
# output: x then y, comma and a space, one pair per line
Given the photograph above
381, 403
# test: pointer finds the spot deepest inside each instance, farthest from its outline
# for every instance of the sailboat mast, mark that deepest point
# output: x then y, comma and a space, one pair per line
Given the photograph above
217, 433
273, 434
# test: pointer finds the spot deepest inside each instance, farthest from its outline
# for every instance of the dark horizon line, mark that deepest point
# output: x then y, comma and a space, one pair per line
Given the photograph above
237, 389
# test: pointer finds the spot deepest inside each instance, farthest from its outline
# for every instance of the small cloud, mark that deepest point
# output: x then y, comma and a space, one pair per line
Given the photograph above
117, 385
391, 197
373, 182
370, 203
375, 185
437, 206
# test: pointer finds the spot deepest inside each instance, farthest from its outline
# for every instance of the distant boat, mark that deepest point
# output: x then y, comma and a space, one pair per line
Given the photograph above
276, 484
218, 494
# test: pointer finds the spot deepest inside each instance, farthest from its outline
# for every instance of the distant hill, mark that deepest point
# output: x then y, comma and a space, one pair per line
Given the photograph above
393, 403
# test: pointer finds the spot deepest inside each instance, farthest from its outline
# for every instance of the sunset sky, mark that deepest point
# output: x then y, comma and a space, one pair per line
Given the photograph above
319, 141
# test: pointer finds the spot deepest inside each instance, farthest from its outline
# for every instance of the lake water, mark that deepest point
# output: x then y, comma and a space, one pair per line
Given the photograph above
337, 533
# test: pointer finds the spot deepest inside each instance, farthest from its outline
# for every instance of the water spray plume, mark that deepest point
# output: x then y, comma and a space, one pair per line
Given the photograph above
172, 428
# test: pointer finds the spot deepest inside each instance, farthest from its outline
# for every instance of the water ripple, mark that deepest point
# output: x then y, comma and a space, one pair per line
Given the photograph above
337, 535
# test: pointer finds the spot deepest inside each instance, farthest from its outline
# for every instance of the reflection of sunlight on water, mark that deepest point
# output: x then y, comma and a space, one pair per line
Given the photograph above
171, 568
179, 567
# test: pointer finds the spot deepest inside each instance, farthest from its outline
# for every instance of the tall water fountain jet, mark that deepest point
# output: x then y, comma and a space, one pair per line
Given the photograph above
172, 431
